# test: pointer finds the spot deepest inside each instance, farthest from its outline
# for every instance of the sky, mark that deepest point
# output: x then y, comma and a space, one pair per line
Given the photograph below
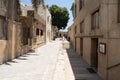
61, 3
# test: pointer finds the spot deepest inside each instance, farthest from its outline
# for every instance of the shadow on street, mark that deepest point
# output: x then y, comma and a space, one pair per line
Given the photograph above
81, 70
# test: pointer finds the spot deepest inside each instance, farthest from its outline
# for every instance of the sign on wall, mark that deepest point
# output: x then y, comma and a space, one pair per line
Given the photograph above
102, 48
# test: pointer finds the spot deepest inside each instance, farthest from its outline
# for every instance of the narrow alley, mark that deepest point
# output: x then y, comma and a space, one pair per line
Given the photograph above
49, 62
38, 65
60, 40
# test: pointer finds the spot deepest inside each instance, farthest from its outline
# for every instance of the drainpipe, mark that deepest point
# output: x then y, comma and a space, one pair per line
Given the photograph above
107, 38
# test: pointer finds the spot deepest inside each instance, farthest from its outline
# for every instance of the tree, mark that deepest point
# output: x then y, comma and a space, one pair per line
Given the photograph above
72, 9
60, 16
36, 3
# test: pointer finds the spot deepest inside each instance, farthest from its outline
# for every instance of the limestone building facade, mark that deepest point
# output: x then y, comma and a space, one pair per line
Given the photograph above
95, 35
8, 21
19, 33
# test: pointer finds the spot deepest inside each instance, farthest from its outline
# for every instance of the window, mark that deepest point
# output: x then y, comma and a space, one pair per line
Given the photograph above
37, 31
3, 28
41, 32
30, 13
28, 32
95, 20
118, 11
81, 4
82, 27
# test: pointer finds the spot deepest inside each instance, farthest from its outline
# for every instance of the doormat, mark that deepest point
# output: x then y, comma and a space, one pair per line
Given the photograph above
91, 70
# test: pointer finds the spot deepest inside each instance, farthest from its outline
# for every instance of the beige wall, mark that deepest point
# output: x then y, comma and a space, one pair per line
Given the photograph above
40, 17
2, 50
48, 26
113, 42
78, 45
38, 40
108, 33
25, 8
2, 8
113, 73
13, 46
85, 15
71, 34
102, 61
54, 32
42, 12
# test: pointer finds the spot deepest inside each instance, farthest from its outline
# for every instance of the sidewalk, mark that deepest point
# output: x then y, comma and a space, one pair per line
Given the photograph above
81, 70
63, 69
38, 65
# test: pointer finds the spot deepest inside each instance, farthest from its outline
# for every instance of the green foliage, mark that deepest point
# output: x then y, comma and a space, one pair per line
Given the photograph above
60, 16
72, 9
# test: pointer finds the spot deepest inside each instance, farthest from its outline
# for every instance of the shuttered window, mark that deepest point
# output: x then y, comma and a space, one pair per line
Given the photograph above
37, 32
95, 20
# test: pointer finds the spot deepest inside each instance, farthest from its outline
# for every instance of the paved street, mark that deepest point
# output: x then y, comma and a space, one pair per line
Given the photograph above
38, 65
49, 62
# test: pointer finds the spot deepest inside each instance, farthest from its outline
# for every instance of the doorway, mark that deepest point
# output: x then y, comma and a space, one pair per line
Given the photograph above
94, 52
81, 46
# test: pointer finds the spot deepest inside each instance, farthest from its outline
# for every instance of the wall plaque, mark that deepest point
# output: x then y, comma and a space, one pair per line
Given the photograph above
102, 48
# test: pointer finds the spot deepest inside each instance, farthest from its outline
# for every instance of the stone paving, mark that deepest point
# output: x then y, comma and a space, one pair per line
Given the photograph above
38, 65
80, 68
60, 68
49, 62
